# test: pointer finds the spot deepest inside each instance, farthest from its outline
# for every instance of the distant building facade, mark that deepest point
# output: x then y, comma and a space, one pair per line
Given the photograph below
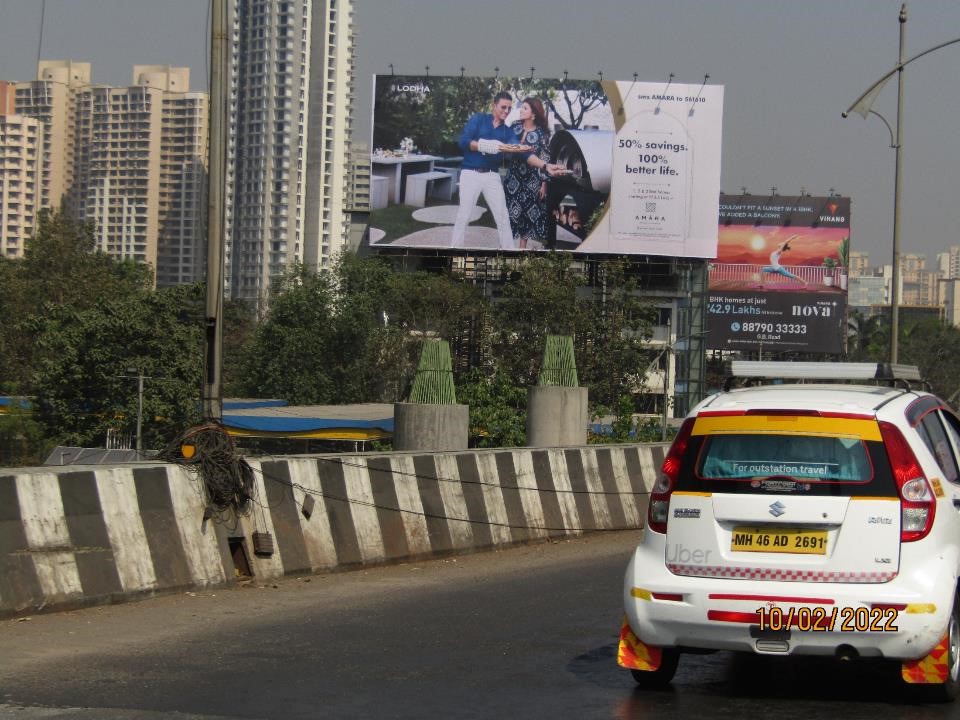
950, 292
948, 263
131, 161
21, 150
358, 194
52, 99
864, 291
859, 263
289, 131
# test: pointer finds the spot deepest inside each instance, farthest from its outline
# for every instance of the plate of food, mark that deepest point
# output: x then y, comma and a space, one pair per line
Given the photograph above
512, 148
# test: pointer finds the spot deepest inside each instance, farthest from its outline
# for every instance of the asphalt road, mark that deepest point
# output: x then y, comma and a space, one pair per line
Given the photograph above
528, 632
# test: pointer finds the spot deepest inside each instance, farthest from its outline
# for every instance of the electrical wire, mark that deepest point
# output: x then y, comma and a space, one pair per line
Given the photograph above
435, 516
227, 477
43, 15
230, 489
439, 478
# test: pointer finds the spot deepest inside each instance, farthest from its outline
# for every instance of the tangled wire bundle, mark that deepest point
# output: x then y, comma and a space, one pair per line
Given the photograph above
210, 452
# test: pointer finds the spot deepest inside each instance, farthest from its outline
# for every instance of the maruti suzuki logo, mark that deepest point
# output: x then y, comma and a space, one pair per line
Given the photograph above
778, 509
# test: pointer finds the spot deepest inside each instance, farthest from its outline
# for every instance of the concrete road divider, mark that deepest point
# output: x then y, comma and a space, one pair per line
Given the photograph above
87, 535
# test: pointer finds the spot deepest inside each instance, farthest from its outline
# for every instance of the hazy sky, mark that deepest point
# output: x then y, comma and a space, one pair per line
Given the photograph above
789, 68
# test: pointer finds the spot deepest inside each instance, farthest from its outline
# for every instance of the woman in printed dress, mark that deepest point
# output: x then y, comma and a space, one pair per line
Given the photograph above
525, 185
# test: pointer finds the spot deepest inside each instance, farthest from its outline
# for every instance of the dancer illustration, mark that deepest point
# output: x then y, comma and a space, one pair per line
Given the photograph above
776, 268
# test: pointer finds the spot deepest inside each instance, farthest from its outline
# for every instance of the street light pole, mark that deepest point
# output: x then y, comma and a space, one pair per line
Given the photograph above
140, 378
862, 106
897, 185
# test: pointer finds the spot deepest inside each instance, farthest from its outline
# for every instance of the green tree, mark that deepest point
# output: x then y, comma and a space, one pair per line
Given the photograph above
540, 299
85, 381
498, 414
239, 326
614, 348
611, 325
934, 347
568, 100
289, 355
351, 334
434, 119
61, 268
868, 337
22, 439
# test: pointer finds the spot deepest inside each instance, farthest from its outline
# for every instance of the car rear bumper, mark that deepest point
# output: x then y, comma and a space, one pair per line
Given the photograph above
903, 618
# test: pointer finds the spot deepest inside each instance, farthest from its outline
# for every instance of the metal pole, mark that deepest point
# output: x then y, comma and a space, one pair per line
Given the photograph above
213, 328
139, 413
895, 293
666, 380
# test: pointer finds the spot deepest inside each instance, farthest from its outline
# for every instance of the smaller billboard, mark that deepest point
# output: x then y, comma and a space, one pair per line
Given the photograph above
779, 281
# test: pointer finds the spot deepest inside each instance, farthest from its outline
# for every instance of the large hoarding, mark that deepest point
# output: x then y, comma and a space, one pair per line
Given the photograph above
621, 167
779, 281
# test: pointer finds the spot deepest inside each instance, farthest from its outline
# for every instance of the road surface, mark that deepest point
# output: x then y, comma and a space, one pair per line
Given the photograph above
527, 632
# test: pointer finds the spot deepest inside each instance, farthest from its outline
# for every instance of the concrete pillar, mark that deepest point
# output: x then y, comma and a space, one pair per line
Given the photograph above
430, 428
556, 416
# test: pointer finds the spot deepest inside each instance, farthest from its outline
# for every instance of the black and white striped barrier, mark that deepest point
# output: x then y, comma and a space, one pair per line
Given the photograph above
83, 535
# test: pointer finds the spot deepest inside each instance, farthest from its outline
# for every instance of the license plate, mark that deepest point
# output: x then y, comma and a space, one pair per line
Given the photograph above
779, 540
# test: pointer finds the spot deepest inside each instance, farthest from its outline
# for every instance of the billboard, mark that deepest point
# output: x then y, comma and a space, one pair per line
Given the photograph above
520, 164
779, 281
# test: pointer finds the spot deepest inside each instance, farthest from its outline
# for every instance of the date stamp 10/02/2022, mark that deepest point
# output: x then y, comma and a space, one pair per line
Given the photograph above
821, 619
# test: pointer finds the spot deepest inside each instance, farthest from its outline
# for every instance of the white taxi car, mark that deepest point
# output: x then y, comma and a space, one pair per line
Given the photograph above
815, 519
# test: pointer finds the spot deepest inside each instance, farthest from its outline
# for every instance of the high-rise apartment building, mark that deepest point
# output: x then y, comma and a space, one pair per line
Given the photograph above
21, 148
131, 161
859, 263
140, 170
51, 98
291, 85
949, 262
118, 170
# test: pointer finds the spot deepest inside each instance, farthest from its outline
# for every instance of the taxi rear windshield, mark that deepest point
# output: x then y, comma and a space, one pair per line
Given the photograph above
817, 459
814, 465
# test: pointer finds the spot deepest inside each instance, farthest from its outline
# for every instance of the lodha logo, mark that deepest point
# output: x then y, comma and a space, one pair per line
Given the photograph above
416, 87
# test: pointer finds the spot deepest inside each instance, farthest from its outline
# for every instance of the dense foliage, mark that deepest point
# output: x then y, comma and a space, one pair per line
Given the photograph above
81, 327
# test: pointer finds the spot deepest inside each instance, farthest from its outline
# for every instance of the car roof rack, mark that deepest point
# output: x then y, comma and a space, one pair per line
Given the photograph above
836, 371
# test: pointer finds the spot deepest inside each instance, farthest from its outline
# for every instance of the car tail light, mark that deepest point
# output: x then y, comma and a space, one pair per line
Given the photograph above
917, 501
659, 507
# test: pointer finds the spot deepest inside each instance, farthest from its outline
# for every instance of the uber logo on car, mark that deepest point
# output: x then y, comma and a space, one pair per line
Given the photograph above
686, 513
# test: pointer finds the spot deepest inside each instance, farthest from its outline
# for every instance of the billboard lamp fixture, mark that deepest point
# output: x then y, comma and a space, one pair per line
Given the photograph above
391, 69
693, 103
656, 110
427, 70
462, 71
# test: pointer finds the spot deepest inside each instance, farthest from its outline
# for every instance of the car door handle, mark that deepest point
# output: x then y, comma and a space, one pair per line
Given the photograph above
956, 503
